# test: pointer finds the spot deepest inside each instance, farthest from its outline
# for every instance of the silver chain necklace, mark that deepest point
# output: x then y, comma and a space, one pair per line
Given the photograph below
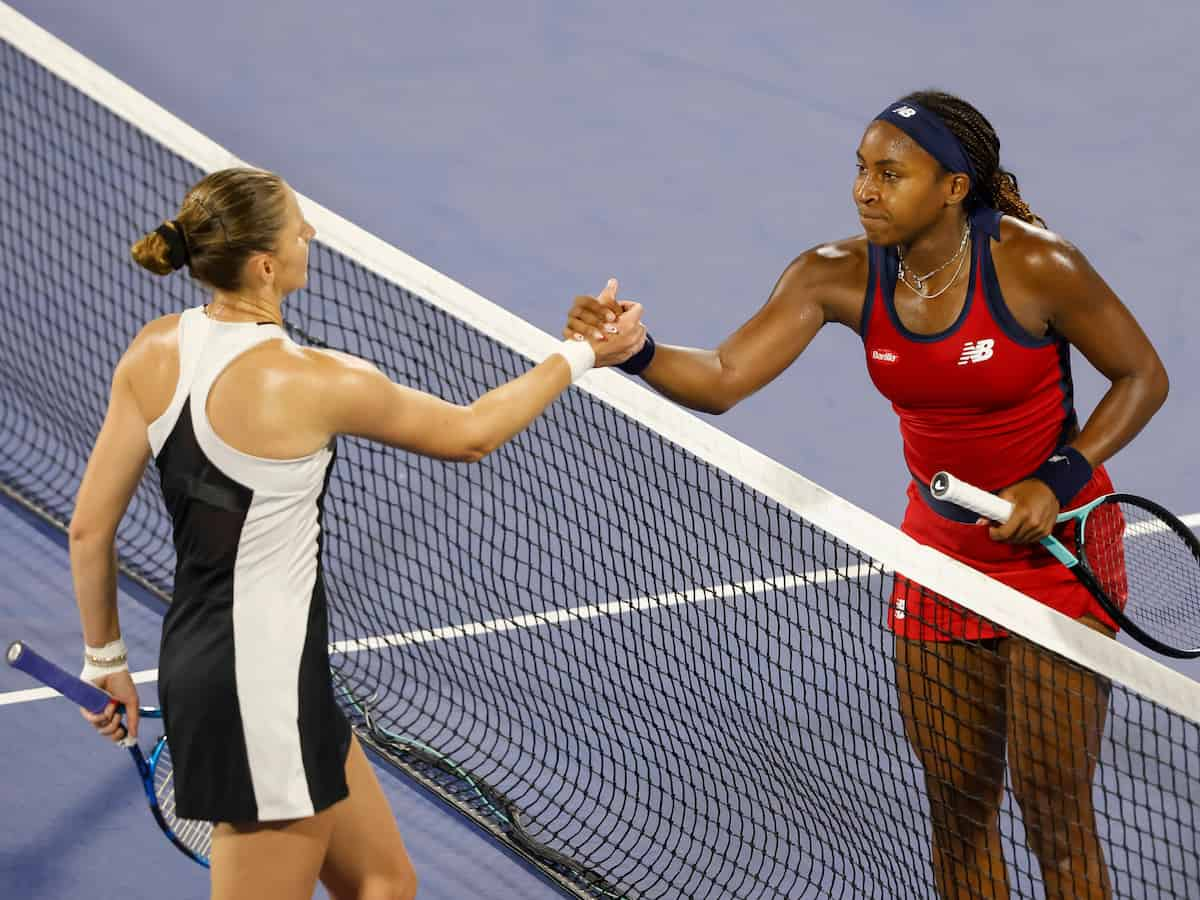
919, 281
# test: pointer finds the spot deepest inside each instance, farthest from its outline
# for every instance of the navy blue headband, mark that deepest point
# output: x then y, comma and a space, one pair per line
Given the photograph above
931, 133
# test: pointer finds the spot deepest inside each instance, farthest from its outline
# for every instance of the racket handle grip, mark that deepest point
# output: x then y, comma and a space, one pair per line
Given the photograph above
87, 695
945, 486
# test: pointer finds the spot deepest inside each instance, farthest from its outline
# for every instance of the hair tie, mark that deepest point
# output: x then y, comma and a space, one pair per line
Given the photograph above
177, 248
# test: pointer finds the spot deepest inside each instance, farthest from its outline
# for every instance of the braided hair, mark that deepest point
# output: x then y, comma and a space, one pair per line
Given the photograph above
993, 186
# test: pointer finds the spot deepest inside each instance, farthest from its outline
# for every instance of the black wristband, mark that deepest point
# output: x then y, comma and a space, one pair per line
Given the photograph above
636, 363
1065, 472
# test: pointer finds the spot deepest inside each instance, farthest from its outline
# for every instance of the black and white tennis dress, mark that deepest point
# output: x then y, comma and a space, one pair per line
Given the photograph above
244, 679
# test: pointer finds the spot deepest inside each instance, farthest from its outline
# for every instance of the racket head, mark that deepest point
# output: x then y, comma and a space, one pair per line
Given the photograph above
1146, 566
193, 837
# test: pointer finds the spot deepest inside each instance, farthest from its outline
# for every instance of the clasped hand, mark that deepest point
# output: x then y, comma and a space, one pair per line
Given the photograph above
613, 326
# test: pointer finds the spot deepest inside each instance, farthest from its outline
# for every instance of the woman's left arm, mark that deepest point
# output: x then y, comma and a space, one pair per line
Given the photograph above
1083, 309
1072, 299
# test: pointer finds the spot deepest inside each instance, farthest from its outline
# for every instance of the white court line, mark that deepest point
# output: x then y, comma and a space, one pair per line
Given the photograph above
591, 610
559, 616
637, 604
45, 693
535, 620
1154, 526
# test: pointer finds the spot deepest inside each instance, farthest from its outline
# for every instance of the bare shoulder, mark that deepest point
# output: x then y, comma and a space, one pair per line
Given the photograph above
1037, 256
157, 337
834, 275
326, 357
153, 353
316, 379
341, 392
325, 363
289, 373
301, 380
149, 368
832, 260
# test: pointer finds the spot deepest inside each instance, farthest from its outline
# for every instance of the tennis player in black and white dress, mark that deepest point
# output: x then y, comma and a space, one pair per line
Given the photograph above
241, 423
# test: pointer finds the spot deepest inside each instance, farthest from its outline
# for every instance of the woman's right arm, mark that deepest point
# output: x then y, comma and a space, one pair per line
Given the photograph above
356, 398
713, 381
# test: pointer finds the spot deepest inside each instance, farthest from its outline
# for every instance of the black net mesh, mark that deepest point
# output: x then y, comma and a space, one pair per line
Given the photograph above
645, 676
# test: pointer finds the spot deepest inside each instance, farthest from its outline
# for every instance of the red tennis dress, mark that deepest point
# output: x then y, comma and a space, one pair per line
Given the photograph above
988, 402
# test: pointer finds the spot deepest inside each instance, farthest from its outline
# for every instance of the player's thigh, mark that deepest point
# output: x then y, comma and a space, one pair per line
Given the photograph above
366, 856
1056, 722
953, 700
270, 859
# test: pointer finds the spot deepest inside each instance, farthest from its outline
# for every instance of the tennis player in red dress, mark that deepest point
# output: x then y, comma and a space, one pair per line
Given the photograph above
967, 307
988, 401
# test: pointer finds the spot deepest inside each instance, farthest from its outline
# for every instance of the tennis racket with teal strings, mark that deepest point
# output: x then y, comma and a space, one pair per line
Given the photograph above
192, 837
1140, 562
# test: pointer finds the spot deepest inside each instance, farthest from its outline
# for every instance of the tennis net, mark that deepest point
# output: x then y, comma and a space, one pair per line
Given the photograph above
651, 660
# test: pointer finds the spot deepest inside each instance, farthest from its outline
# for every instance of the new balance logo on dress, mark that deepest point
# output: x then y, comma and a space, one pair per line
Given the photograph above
977, 351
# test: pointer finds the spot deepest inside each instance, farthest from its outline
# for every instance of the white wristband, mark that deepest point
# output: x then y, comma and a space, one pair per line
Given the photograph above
101, 661
579, 356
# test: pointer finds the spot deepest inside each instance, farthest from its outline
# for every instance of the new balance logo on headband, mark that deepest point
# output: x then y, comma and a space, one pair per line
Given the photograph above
907, 111
977, 351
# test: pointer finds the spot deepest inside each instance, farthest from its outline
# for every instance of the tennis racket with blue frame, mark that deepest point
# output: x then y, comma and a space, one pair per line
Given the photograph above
157, 774
1137, 559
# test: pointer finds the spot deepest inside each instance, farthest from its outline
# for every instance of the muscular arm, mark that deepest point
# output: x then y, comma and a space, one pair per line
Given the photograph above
812, 291
358, 399
1052, 282
714, 381
113, 471
1079, 305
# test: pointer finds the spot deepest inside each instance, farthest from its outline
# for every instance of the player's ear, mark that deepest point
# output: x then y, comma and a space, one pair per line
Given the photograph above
957, 186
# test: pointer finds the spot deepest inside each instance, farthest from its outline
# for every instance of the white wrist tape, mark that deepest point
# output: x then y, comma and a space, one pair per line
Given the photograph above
579, 355
100, 661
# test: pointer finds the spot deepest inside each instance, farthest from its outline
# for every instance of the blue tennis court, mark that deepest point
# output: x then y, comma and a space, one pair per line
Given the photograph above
690, 153
59, 773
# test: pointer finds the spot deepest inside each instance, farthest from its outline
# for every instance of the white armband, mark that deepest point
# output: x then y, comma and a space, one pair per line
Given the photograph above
579, 356
101, 661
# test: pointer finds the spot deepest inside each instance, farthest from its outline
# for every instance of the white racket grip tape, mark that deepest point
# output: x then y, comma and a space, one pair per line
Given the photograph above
945, 486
